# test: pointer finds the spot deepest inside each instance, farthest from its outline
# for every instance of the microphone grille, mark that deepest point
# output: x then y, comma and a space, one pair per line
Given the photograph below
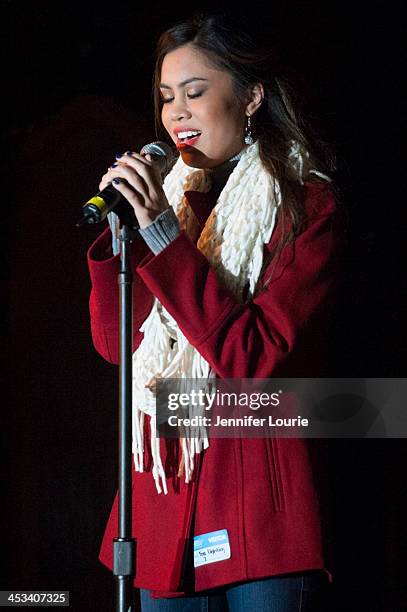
164, 155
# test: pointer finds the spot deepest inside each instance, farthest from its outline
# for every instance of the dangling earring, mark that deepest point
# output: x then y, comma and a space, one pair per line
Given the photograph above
248, 137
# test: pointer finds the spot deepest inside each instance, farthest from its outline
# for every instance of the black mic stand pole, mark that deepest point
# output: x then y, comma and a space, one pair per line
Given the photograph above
124, 546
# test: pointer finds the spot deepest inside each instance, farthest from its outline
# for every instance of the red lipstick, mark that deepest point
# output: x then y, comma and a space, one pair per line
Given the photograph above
186, 141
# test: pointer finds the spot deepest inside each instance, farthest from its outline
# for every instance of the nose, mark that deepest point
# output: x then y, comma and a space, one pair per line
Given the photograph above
180, 110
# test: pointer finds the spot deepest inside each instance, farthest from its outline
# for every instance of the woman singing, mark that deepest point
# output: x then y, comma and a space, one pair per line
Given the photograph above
237, 264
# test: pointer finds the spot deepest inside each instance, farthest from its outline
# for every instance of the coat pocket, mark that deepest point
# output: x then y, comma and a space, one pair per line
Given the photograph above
275, 478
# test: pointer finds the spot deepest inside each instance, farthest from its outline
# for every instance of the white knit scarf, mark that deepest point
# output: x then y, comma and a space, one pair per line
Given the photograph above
232, 240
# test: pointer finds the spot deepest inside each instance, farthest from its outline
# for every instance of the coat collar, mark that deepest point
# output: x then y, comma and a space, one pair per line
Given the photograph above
201, 204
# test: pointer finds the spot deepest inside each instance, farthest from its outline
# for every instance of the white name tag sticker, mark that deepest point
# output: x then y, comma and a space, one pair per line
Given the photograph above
211, 547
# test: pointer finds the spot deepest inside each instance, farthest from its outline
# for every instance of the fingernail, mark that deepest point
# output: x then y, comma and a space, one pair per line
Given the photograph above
119, 155
116, 181
129, 153
113, 165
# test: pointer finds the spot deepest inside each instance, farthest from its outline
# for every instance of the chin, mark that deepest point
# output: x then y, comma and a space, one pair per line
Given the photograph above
197, 159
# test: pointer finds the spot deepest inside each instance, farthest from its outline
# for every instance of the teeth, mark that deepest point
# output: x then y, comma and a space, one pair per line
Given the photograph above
182, 135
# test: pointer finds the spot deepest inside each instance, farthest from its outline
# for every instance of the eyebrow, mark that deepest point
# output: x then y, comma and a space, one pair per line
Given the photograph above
164, 86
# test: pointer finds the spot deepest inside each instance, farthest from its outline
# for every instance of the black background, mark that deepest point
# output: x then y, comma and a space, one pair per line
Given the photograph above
76, 84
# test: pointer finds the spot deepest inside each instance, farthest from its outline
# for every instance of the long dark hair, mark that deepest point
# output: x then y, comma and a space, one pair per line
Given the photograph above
277, 123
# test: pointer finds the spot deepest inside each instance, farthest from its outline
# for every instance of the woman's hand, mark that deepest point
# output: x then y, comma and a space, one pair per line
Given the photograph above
138, 179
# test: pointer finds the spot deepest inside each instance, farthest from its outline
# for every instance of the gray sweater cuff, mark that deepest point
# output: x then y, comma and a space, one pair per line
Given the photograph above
162, 231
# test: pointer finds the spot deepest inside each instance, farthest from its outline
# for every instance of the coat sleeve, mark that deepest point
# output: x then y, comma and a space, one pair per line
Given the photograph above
104, 298
284, 329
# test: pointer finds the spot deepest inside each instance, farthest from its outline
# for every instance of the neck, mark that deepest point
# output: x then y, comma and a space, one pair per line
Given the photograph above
221, 173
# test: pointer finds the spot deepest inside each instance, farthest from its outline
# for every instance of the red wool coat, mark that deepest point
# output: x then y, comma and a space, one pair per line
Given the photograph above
266, 492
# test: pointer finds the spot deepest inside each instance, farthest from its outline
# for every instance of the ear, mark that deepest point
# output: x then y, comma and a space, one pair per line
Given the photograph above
255, 98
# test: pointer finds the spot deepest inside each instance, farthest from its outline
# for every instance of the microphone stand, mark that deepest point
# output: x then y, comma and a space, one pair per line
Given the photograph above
124, 546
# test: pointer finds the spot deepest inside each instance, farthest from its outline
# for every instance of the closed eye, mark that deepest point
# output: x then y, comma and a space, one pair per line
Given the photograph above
189, 96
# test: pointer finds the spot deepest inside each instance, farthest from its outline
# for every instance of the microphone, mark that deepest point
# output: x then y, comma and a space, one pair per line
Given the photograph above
97, 208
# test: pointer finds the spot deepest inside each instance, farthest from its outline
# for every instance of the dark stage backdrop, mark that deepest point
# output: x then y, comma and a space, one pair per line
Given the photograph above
76, 89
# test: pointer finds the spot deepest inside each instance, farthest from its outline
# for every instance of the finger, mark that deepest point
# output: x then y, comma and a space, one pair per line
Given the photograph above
156, 169
133, 159
131, 155
145, 215
105, 181
135, 199
107, 177
151, 183
132, 177
145, 167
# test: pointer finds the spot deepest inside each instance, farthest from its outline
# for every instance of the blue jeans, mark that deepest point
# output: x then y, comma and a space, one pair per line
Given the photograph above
299, 592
